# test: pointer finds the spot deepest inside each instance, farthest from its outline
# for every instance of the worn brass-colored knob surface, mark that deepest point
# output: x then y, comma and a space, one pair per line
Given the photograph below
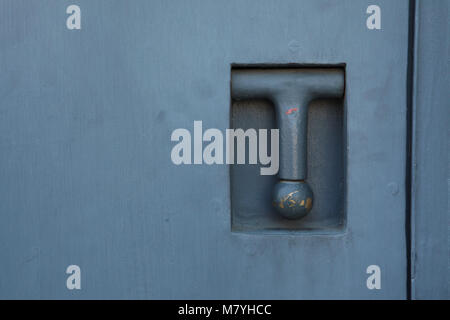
292, 199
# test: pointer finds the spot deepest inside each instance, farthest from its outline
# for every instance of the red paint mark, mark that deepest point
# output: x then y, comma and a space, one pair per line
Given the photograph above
291, 110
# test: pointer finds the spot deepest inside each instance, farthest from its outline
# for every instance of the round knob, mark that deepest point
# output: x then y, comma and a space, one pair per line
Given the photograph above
292, 199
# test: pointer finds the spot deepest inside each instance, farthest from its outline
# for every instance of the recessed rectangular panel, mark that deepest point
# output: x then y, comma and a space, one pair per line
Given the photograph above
251, 192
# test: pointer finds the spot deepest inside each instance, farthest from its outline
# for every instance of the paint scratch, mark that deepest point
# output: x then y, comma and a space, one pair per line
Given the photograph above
291, 110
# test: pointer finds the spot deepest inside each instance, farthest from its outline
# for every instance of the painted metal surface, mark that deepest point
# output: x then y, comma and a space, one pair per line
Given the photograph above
85, 170
430, 277
291, 91
254, 212
292, 199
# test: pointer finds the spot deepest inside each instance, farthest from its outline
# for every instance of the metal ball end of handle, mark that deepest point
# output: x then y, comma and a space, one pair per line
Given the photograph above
292, 199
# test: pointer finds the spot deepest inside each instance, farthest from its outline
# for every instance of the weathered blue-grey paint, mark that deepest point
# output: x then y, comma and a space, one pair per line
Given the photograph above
253, 211
85, 170
431, 167
291, 91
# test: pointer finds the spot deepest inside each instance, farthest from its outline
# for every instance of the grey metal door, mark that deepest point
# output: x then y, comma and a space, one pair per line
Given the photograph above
86, 176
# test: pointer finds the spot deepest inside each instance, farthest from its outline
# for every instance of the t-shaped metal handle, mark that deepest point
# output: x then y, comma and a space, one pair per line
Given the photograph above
291, 91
